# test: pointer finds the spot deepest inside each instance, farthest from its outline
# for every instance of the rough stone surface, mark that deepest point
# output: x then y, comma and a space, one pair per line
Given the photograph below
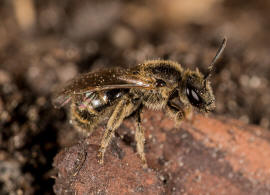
202, 156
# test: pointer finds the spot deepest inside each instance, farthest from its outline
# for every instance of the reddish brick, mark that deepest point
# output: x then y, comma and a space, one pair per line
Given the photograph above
206, 155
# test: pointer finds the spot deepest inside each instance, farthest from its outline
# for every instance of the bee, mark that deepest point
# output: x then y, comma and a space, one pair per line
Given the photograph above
112, 95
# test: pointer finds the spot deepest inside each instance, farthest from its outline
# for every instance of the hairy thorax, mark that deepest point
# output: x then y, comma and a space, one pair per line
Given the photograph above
153, 99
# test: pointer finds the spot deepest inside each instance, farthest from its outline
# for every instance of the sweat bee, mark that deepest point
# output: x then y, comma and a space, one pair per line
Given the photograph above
115, 94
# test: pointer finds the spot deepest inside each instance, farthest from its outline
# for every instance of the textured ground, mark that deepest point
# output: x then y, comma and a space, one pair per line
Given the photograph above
204, 156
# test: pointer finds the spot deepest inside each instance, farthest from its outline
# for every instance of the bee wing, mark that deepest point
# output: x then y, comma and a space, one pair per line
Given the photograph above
102, 80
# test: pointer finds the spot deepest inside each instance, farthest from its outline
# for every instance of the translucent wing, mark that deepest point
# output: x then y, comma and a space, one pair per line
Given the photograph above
102, 80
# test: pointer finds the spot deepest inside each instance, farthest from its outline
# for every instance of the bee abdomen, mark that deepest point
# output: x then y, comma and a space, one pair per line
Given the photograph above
95, 102
82, 119
92, 102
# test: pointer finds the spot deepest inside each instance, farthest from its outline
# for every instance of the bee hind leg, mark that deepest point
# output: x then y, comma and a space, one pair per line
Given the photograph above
114, 122
139, 137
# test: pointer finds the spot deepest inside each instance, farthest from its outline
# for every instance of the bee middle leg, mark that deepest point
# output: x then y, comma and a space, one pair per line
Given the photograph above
139, 137
120, 112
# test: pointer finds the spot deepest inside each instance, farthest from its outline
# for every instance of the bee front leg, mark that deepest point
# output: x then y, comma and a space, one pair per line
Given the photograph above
175, 112
188, 113
114, 122
139, 137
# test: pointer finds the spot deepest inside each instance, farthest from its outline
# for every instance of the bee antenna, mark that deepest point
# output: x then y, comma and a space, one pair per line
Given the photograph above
219, 52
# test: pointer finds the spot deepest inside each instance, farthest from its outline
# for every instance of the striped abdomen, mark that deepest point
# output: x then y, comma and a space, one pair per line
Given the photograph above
95, 102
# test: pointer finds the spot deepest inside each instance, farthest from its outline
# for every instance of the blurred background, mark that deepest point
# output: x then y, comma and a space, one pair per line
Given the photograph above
46, 43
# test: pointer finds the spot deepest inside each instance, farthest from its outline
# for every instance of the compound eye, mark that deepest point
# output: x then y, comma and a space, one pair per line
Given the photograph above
160, 83
193, 97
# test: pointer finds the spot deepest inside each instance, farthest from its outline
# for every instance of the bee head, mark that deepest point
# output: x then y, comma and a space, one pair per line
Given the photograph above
198, 92
197, 89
